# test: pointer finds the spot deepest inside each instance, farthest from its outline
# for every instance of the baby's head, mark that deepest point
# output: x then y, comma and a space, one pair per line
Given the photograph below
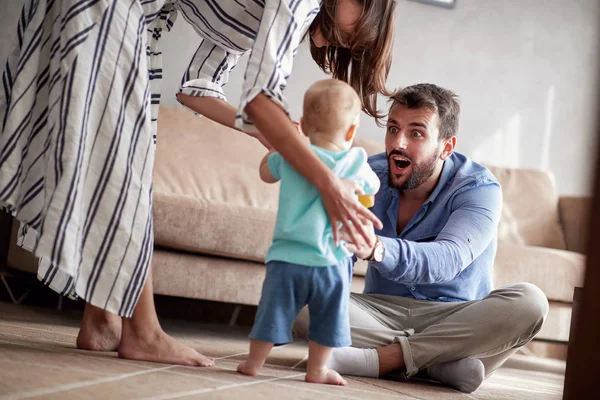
331, 114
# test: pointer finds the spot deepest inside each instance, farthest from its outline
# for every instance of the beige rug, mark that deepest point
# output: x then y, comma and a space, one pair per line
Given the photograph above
38, 359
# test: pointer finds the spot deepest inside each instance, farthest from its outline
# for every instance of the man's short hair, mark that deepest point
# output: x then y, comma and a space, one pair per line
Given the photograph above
442, 101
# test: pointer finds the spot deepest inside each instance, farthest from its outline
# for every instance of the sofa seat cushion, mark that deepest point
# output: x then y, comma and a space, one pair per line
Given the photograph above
212, 278
556, 272
208, 195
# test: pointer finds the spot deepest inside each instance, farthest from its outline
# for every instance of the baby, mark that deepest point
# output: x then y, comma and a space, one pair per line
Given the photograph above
304, 266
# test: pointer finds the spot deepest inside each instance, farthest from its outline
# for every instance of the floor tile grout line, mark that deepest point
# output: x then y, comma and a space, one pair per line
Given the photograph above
391, 394
35, 337
300, 362
218, 388
198, 376
75, 354
79, 355
306, 389
247, 352
518, 379
541, 390
57, 367
36, 329
86, 383
122, 361
244, 384
232, 355
264, 365
127, 362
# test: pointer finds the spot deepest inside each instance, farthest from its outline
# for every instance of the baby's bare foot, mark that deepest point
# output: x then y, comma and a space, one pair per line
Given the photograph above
247, 369
326, 376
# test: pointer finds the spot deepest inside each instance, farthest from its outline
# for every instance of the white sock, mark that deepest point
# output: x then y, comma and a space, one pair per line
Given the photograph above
465, 375
355, 361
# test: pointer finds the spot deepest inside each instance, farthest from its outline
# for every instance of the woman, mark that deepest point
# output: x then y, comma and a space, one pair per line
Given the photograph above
76, 148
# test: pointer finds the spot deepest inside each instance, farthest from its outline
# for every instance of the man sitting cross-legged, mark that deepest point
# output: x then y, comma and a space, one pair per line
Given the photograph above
428, 303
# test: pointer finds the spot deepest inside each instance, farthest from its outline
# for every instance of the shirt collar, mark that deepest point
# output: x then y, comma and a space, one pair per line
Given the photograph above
444, 177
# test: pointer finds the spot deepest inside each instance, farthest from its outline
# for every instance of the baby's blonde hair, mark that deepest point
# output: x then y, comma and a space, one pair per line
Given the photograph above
331, 107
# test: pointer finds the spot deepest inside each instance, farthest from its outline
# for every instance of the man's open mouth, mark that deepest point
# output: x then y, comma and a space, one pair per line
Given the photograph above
400, 162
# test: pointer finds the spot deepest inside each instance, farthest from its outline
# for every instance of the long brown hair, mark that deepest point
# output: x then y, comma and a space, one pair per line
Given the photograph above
362, 60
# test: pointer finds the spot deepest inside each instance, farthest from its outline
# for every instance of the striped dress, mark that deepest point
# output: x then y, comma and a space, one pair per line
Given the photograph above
78, 107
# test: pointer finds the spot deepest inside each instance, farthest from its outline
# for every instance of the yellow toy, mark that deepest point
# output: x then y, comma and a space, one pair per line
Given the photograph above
367, 201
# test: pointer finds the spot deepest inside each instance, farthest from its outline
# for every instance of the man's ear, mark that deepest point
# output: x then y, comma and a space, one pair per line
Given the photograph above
351, 132
448, 148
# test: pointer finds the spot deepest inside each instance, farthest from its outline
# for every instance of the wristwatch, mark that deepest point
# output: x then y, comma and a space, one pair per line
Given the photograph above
378, 252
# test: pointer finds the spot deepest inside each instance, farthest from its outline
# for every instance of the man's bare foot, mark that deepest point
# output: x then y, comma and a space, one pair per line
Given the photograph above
327, 376
247, 369
100, 330
162, 348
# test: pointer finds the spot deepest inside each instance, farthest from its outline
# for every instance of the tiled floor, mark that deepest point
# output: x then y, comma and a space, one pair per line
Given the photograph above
38, 358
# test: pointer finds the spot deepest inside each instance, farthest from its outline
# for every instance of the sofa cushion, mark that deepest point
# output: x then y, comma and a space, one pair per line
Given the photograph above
556, 272
208, 195
212, 278
530, 214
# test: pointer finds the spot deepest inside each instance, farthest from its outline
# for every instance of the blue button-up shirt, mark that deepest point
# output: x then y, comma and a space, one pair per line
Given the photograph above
446, 251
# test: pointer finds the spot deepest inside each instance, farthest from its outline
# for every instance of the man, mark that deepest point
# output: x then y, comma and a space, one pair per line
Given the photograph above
428, 303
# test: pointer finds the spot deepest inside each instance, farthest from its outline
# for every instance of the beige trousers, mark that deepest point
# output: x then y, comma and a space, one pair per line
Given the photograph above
490, 329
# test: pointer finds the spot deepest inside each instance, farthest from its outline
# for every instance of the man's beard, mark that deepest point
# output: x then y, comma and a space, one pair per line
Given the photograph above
419, 174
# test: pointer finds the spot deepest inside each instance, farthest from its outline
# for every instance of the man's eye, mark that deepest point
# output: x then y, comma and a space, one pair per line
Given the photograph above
393, 130
417, 134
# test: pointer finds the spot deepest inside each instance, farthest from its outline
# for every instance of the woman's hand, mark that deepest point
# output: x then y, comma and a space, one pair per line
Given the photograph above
341, 204
261, 139
362, 248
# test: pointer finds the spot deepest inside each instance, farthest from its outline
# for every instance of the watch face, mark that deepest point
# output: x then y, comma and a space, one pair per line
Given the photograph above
378, 255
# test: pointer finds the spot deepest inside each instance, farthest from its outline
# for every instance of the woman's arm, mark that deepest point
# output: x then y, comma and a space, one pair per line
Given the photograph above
339, 197
211, 107
217, 110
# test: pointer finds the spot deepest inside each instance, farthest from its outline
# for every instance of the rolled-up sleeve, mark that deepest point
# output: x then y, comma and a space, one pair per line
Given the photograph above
208, 71
282, 27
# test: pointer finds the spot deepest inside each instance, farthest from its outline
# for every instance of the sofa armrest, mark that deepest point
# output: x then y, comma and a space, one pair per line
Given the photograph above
575, 218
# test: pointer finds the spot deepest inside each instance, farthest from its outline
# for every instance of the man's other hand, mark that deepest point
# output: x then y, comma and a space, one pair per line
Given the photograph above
362, 248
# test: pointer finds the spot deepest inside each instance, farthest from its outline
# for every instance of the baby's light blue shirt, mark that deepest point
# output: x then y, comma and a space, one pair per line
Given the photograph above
303, 233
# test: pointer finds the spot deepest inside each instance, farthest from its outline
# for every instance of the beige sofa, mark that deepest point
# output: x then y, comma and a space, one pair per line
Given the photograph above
213, 221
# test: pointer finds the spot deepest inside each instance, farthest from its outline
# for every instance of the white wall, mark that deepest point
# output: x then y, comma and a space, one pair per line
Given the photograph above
525, 70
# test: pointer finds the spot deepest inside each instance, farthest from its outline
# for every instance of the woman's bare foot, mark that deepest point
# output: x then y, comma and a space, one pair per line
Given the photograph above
162, 348
100, 330
326, 376
143, 339
247, 369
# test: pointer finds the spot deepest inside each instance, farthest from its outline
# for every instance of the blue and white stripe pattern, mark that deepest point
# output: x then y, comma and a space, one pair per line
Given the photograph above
270, 30
79, 102
76, 148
